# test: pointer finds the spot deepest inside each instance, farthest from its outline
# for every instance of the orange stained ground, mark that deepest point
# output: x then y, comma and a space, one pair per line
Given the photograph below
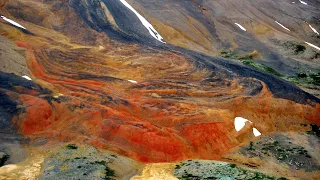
149, 125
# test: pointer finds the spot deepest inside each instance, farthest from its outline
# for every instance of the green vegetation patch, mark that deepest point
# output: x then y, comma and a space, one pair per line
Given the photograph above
3, 159
114, 156
308, 80
283, 150
251, 147
280, 152
261, 67
229, 55
109, 172
247, 60
305, 78
71, 146
196, 170
315, 130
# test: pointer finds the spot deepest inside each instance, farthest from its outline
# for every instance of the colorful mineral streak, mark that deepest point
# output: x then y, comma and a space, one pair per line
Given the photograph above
162, 89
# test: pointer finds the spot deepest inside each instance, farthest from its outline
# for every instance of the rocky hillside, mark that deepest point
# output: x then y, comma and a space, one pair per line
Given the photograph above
102, 87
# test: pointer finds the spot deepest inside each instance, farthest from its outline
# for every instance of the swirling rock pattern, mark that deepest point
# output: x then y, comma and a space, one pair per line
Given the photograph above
100, 78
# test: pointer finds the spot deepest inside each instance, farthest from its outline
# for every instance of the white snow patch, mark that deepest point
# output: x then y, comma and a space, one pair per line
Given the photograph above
240, 122
133, 81
150, 28
313, 29
12, 22
256, 132
241, 27
27, 77
58, 95
314, 46
302, 2
282, 26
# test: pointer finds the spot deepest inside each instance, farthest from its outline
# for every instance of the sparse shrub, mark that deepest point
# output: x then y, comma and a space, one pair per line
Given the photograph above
315, 130
251, 147
109, 172
4, 158
71, 146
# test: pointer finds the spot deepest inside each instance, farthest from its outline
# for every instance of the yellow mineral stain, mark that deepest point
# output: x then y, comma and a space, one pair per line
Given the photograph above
159, 171
29, 169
